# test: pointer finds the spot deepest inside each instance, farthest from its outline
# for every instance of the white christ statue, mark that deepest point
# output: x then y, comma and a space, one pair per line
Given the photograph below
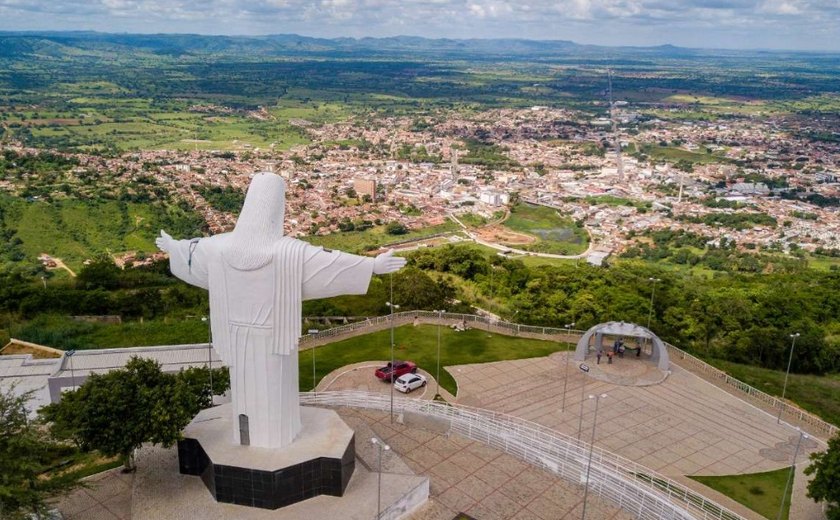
257, 279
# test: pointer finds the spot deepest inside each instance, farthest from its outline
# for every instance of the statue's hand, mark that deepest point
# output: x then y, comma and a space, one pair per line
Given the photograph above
164, 241
388, 263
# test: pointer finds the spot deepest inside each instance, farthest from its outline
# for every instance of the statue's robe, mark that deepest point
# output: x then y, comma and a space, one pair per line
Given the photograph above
256, 322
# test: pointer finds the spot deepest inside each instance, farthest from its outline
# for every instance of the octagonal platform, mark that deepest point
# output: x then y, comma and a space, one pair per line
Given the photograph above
320, 461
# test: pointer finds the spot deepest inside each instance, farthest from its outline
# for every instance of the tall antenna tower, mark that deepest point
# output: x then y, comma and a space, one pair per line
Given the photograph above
682, 182
618, 163
453, 167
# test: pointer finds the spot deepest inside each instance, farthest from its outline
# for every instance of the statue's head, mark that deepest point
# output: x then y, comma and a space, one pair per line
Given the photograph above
264, 208
260, 223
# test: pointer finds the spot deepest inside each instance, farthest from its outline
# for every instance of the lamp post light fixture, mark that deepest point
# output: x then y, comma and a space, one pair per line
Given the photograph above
591, 448
802, 435
793, 338
313, 332
437, 374
392, 306
566, 370
382, 446
70, 353
652, 292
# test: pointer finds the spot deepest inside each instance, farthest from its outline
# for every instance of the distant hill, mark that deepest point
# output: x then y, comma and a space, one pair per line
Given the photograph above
16, 44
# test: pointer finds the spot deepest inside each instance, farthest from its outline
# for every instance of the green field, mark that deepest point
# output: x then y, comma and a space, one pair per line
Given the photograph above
419, 344
819, 395
75, 230
64, 333
376, 237
761, 492
98, 120
675, 154
554, 233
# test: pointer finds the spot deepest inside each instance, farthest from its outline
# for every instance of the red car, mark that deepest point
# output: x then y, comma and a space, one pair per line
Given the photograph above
400, 368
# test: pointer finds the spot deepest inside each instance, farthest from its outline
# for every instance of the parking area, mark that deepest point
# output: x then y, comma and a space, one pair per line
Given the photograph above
360, 376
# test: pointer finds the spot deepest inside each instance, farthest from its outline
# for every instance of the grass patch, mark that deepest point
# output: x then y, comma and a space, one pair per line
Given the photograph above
419, 344
674, 154
554, 233
375, 238
76, 230
63, 333
819, 395
761, 492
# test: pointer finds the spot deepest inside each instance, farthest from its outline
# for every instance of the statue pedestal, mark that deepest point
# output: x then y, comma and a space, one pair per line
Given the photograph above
319, 462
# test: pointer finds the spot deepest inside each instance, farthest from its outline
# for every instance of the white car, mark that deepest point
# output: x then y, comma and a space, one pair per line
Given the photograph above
408, 382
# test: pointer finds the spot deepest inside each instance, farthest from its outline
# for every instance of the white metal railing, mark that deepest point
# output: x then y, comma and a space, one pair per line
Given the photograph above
679, 356
401, 318
788, 410
631, 486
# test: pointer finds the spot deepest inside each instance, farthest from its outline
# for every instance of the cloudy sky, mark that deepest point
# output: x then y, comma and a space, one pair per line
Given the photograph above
776, 24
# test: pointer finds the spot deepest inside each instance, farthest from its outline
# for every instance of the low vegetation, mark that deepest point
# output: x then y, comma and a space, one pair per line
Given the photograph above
761, 492
553, 232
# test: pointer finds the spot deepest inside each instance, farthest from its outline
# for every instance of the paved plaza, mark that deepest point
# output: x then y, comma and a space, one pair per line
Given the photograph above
682, 426
106, 496
469, 477
465, 476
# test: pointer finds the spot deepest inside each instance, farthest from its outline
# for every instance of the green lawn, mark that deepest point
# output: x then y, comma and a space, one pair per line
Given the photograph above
555, 234
761, 492
419, 344
817, 394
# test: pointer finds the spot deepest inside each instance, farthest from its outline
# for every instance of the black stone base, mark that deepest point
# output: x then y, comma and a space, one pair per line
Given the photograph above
268, 489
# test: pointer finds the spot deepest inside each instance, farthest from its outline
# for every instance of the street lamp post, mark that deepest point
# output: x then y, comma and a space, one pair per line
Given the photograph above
437, 374
492, 285
70, 353
382, 446
392, 306
784, 388
312, 332
583, 370
566, 373
591, 448
209, 355
802, 435
652, 292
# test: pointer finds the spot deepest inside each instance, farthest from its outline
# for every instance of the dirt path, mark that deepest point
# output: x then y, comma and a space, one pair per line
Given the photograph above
59, 264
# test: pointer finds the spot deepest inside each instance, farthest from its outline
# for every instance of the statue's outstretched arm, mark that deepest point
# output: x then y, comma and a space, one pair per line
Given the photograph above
332, 273
187, 258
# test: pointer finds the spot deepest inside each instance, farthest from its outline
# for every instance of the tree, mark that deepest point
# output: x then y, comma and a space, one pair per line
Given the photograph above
118, 411
825, 486
100, 272
396, 228
24, 448
414, 289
